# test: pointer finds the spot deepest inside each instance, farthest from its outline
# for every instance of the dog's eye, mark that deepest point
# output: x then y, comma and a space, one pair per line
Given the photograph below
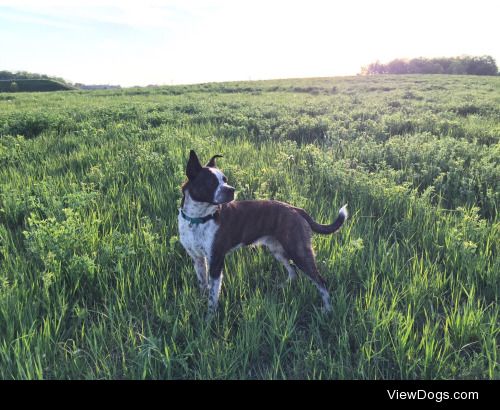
224, 179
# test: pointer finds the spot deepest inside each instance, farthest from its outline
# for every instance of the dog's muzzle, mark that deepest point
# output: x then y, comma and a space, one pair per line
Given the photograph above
224, 194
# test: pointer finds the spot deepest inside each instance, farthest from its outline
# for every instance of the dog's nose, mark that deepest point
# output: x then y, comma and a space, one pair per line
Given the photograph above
231, 189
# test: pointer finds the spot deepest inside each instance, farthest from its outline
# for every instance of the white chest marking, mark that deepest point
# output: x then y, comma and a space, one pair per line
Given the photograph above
197, 239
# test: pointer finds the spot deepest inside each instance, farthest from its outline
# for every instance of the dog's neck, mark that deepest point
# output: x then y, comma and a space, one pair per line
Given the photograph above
195, 209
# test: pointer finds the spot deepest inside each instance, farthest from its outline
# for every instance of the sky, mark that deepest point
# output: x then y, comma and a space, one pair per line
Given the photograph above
193, 41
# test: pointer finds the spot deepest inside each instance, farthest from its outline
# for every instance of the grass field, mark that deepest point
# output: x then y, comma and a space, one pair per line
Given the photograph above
95, 284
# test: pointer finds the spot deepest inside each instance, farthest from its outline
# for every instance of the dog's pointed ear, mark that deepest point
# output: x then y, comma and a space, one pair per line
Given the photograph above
211, 163
193, 166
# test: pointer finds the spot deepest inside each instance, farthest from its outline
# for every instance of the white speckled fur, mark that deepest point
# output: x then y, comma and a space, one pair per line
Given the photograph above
198, 239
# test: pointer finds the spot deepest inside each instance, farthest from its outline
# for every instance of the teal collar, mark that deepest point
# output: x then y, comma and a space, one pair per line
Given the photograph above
197, 221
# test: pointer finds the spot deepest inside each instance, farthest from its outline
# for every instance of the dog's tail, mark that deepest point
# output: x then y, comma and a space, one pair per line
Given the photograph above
325, 229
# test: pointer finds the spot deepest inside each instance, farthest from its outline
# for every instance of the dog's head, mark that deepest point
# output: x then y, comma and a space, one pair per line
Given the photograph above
208, 183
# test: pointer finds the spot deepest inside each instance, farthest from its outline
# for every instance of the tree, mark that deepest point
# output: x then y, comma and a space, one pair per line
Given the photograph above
6, 75
484, 65
397, 66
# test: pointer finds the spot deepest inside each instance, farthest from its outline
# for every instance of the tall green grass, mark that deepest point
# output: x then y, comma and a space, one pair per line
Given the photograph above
95, 284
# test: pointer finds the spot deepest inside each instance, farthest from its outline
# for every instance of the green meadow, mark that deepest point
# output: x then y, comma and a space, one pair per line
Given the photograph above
94, 283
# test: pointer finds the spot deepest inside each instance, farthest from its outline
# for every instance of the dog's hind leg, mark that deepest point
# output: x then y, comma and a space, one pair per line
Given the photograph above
292, 274
306, 262
280, 255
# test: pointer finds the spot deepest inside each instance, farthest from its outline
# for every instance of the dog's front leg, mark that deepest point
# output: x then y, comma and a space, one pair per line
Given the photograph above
215, 282
200, 266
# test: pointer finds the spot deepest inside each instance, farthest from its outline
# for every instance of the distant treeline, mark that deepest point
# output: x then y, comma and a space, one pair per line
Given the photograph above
483, 65
24, 75
32, 85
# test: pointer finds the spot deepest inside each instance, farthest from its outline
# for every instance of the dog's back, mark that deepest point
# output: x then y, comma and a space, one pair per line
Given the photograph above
244, 222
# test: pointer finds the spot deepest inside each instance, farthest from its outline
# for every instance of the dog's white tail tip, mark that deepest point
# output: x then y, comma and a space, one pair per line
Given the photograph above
343, 211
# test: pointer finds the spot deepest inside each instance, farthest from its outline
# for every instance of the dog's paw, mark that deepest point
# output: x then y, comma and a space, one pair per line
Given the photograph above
209, 316
286, 283
326, 309
203, 286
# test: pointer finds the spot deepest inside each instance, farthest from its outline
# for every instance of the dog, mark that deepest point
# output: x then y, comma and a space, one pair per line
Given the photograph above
212, 224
